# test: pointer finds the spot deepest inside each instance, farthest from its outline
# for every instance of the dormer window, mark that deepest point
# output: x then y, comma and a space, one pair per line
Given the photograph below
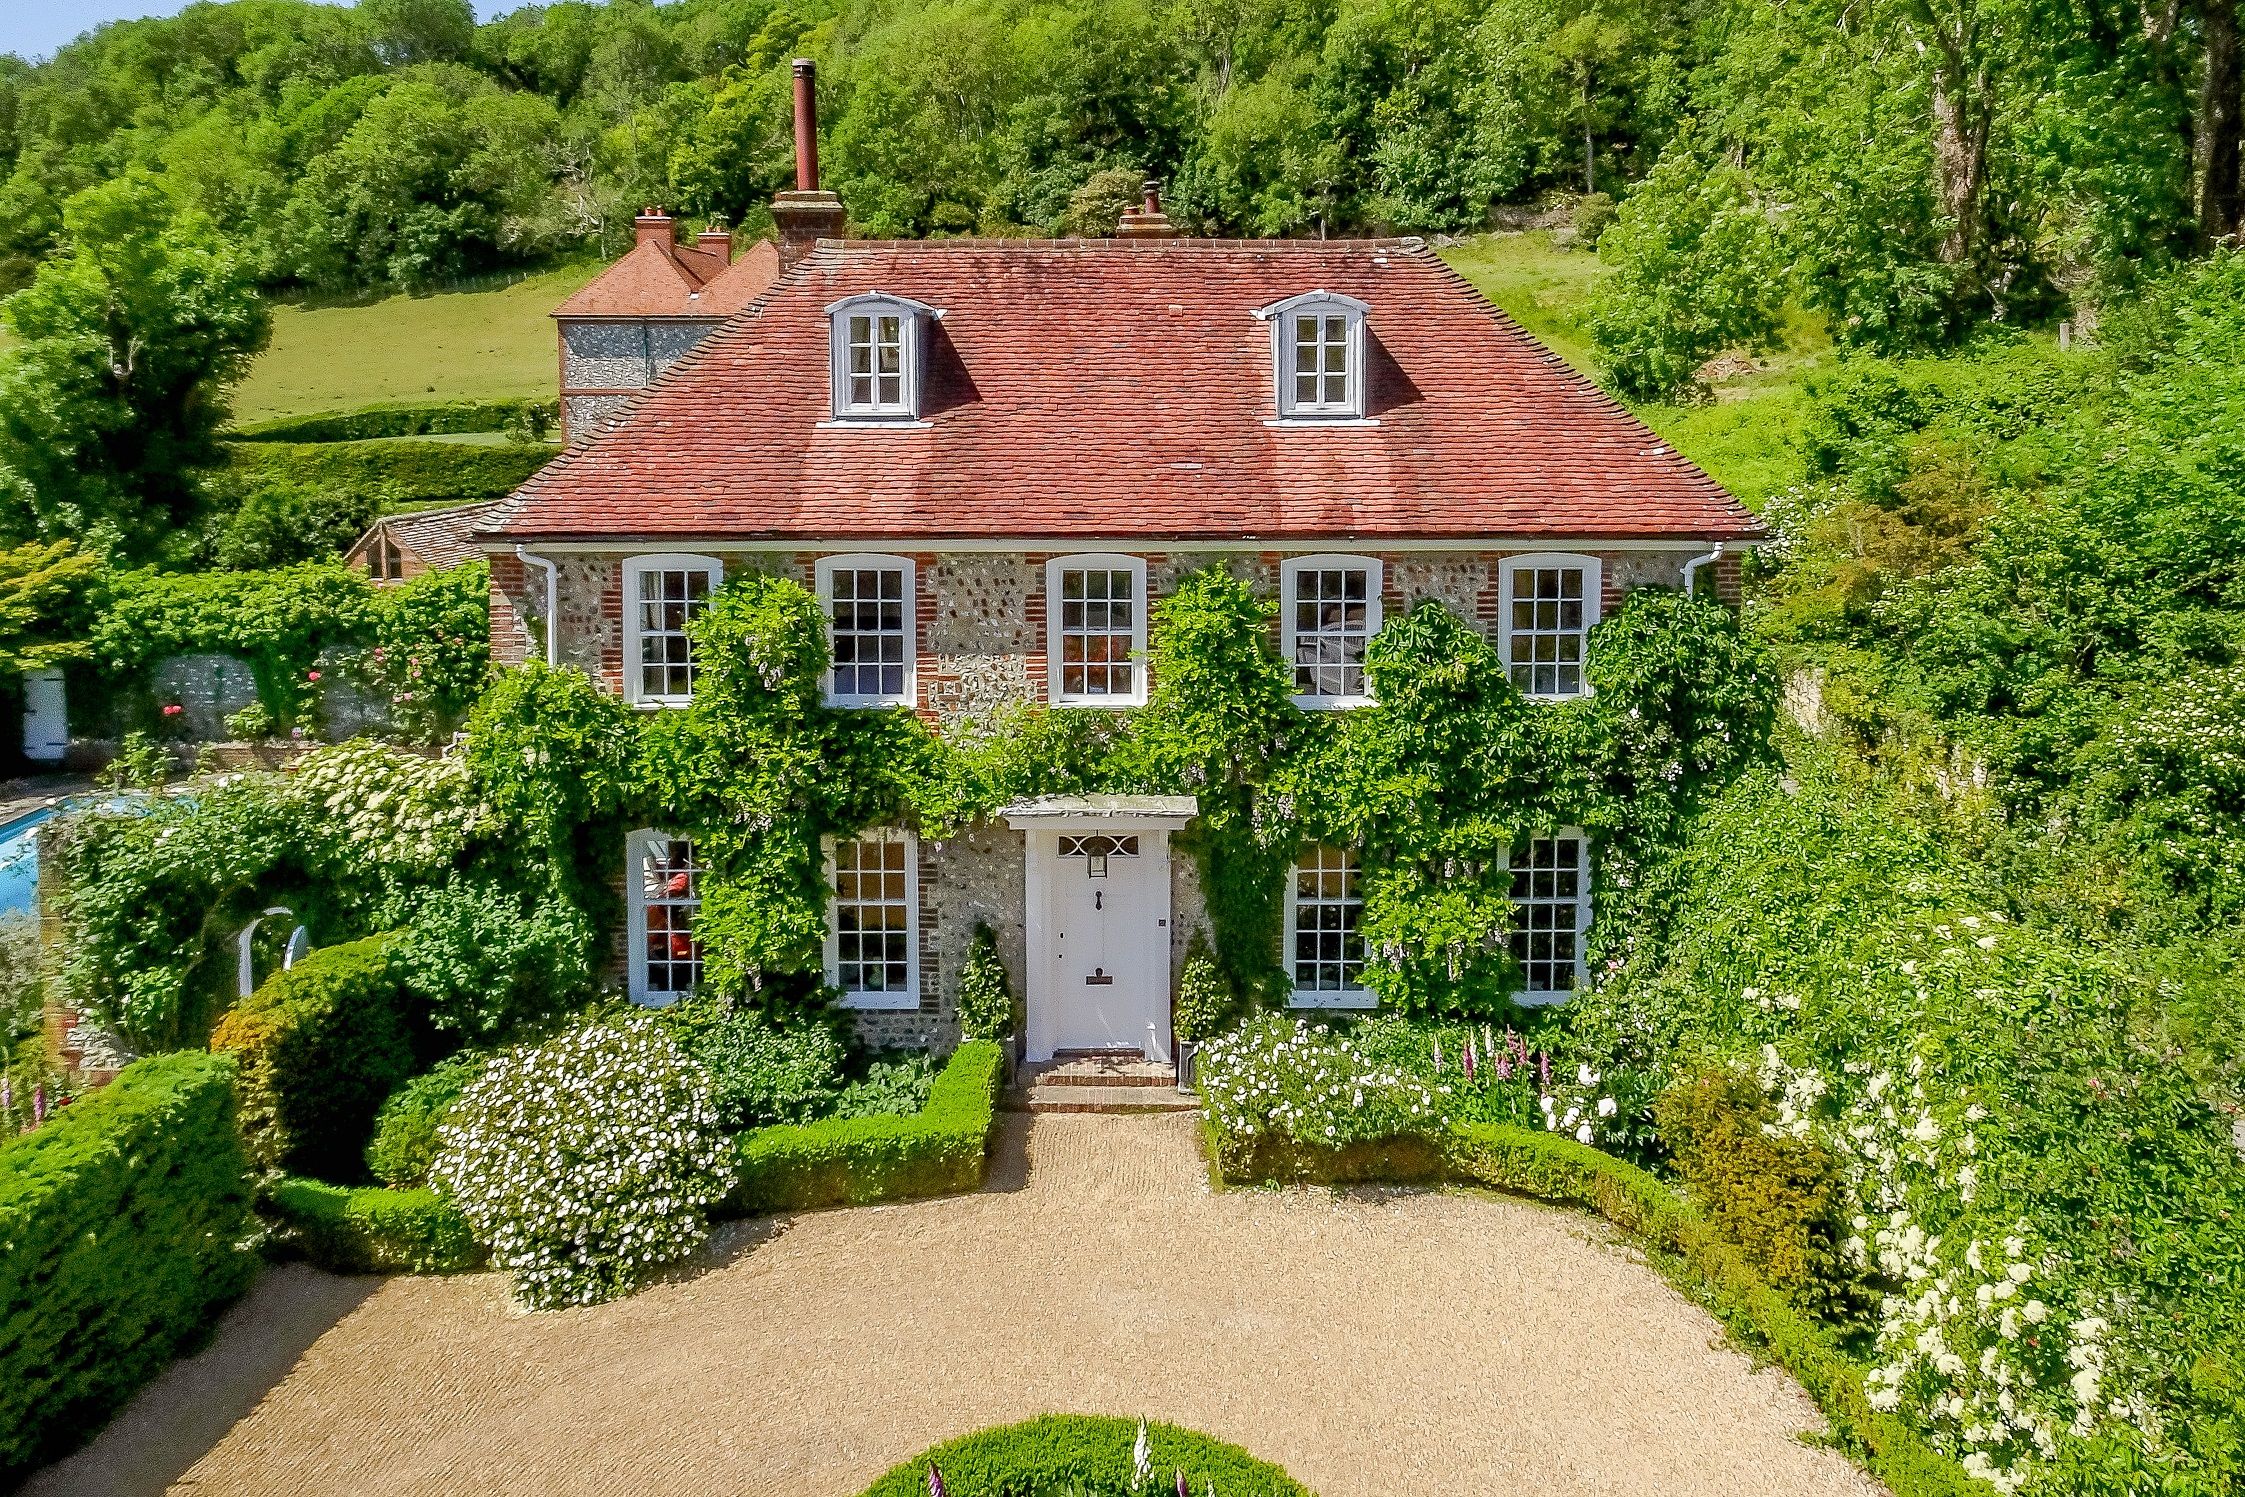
877, 342
1317, 346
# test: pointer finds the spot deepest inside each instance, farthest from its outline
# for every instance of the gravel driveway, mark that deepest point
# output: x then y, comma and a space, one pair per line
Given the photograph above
1383, 1343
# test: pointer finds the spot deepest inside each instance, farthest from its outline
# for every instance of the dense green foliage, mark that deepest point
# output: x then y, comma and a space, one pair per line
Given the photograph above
111, 395
762, 1071
1083, 1455
405, 1130
320, 1046
1908, 173
422, 644
123, 1226
853, 1161
370, 1229
985, 992
394, 472
491, 962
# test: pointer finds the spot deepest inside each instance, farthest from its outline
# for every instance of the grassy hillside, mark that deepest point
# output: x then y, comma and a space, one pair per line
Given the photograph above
462, 345
1743, 436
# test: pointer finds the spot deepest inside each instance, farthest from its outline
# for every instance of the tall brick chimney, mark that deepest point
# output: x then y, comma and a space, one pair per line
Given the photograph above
806, 215
1147, 222
716, 240
655, 224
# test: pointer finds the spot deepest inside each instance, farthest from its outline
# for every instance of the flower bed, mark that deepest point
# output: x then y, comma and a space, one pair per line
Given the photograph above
855, 1161
1085, 1455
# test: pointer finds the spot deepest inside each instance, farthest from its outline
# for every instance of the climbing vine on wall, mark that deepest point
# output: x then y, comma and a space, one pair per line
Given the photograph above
1434, 786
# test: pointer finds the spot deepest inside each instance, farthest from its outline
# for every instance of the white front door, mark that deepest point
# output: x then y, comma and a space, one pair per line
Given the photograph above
46, 717
1105, 902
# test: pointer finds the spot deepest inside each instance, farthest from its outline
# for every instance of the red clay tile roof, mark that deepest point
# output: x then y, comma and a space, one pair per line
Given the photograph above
1111, 388
655, 279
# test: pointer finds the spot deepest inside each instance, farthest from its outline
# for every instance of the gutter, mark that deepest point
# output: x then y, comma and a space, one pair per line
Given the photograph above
1691, 568
553, 593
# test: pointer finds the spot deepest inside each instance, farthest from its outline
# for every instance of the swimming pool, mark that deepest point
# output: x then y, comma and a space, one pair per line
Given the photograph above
19, 861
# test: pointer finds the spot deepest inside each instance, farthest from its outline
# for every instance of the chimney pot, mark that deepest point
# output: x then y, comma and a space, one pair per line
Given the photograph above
806, 215
1148, 222
652, 223
806, 125
716, 240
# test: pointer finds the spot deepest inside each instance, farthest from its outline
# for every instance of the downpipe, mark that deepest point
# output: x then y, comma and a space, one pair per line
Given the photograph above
553, 595
1691, 568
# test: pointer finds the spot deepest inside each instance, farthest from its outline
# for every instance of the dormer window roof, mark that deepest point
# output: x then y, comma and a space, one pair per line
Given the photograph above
1317, 355
878, 344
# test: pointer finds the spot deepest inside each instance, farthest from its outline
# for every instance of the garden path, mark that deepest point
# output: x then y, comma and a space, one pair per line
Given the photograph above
1374, 1342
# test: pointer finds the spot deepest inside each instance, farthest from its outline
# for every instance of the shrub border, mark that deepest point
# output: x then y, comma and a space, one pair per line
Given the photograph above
1085, 1451
369, 1229
940, 1150
1677, 1240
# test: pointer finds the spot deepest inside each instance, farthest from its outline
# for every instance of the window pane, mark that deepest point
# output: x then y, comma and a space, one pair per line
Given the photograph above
1328, 910
1549, 624
867, 633
669, 954
668, 602
1098, 614
873, 919
1331, 629
1550, 889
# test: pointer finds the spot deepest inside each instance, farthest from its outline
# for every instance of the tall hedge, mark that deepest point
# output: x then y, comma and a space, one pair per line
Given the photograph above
406, 420
403, 471
122, 1227
321, 1045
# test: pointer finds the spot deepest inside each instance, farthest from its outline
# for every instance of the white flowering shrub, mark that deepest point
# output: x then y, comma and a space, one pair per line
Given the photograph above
1390, 1078
587, 1162
374, 805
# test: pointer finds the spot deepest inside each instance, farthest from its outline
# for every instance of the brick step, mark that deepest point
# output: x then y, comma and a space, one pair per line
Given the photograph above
1108, 1099
1087, 1073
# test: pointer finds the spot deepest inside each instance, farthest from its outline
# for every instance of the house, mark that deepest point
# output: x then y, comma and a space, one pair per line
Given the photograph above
641, 315
991, 459
399, 546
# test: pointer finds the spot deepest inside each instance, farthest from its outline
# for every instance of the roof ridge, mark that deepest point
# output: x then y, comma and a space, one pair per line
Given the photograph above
1406, 242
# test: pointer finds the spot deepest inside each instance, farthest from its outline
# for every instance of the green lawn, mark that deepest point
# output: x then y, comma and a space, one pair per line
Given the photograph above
1744, 437
466, 345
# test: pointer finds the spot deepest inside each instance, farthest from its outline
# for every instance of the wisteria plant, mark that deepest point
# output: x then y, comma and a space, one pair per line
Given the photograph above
586, 1163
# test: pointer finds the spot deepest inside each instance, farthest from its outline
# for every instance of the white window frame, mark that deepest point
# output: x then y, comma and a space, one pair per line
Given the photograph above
1320, 304
824, 572
636, 568
912, 319
1358, 997
908, 996
1538, 997
636, 848
1290, 632
1055, 569
1593, 592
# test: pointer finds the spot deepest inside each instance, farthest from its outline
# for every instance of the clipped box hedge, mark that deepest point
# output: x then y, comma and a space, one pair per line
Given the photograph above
372, 1229
321, 1045
938, 1150
1706, 1268
404, 471
1086, 1454
122, 1227
409, 419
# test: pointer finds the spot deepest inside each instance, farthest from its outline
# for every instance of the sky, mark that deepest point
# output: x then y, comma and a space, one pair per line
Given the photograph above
34, 28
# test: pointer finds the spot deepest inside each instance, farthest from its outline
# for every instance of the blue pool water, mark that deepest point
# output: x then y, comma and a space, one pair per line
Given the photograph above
19, 862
